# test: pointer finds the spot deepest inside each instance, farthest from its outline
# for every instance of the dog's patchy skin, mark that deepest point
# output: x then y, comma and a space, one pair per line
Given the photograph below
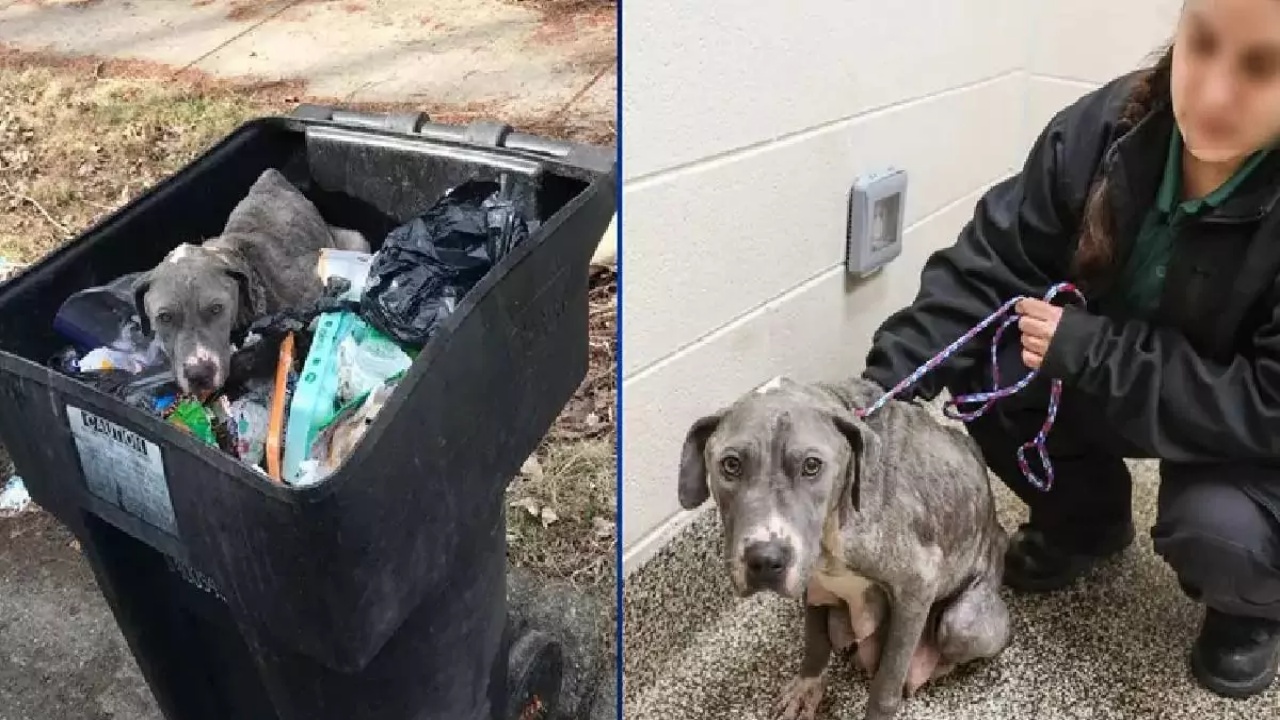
264, 262
886, 526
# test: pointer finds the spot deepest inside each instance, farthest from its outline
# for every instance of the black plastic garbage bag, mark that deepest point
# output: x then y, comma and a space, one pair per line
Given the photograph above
427, 265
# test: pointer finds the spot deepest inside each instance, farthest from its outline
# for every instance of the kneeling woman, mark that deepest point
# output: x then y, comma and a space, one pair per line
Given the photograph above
1158, 194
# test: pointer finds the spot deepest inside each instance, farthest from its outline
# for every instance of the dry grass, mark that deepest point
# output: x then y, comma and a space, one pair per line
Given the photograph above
562, 515
73, 148
80, 136
79, 140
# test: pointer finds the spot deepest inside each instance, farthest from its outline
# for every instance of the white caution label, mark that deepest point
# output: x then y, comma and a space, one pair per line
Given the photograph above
123, 468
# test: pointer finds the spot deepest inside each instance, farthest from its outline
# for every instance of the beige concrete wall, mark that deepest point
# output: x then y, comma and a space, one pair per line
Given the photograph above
744, 125
1080, 44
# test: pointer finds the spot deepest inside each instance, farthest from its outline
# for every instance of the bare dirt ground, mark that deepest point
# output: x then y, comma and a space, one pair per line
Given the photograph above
78, 139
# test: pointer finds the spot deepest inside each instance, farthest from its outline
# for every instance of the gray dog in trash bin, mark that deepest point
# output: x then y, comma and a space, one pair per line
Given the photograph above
264, 262
885, 526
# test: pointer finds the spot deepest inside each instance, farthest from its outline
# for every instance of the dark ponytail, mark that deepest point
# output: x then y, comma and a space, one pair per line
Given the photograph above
1095, 252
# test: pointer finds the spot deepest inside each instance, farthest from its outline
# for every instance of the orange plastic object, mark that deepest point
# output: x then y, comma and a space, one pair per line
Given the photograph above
279, 402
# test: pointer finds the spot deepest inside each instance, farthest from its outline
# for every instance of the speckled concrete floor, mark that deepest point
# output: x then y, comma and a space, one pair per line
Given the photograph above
1113, 647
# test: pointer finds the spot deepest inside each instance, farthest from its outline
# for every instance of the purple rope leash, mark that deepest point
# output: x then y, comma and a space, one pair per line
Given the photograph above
989, 398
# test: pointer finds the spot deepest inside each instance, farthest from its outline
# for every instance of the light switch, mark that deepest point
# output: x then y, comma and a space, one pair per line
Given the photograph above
875, 221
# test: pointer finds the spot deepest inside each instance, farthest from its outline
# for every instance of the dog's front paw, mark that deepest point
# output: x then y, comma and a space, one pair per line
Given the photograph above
801, 697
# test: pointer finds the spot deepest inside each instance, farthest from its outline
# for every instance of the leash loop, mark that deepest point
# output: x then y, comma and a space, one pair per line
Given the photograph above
987, 399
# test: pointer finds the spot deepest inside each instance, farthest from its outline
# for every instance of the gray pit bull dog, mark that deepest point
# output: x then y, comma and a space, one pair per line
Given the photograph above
264, 262
886, 527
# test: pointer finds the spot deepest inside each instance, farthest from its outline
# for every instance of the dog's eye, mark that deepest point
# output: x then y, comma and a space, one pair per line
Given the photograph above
731, 466
811, 466
215, 310
164, 317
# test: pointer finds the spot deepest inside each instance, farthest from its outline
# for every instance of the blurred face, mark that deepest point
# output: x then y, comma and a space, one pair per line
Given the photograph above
1226, 77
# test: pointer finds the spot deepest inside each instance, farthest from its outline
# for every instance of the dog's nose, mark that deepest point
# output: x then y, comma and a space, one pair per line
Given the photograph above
766, 560
200, 375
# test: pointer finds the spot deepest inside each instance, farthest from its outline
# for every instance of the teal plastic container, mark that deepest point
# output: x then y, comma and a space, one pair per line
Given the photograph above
316, 391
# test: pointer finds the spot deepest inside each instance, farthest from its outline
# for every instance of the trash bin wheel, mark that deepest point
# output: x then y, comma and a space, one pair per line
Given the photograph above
535, 672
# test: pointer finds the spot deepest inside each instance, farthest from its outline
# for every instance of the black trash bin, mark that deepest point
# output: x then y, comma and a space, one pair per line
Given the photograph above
378, 593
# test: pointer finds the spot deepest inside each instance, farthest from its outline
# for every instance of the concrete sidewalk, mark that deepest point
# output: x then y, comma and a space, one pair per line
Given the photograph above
1113, 647
61, 654
498, 58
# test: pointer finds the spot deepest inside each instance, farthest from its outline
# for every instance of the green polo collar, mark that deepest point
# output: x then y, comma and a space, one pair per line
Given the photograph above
1171, 185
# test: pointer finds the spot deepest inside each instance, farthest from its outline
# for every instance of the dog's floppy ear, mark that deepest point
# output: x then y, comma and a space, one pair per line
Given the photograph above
862, 444
693, 488
140, 288
252, 302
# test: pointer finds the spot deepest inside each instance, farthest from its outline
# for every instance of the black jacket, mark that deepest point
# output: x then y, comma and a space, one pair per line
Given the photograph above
1200, 382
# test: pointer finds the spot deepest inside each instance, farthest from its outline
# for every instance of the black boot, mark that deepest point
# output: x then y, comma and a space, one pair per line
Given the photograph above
1236, 656
1039, 562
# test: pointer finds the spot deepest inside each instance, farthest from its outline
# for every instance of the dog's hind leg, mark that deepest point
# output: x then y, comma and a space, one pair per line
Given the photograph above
974, 625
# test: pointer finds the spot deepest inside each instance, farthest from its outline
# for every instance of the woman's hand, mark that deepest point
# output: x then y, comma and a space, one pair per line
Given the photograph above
1037, 325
